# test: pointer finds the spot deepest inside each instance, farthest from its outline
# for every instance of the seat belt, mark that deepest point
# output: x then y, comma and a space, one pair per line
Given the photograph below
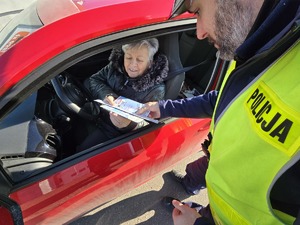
187, 68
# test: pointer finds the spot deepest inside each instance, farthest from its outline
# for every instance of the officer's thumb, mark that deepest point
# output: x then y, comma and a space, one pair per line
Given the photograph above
178, 205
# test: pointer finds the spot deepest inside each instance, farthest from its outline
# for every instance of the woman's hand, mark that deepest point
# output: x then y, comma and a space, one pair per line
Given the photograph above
183, 214
119, 121
109, 99
153, 107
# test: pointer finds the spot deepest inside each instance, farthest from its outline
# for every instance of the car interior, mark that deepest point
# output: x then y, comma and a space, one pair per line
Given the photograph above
47, 127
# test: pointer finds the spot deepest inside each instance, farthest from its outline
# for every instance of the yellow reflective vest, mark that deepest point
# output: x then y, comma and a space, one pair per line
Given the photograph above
255, 140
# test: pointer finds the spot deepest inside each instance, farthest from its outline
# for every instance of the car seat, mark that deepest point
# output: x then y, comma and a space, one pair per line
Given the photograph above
192, 52
169, 45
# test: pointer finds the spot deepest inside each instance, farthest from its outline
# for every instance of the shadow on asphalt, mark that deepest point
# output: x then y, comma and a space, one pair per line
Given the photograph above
136, 206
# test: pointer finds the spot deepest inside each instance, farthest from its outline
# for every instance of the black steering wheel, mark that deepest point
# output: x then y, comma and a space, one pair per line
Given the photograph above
74, 97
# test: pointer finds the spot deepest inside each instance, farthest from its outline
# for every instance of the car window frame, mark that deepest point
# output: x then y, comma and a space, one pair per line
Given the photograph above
61, 62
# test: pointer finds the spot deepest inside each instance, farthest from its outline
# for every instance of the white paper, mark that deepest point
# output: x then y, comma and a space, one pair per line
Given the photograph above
127, 108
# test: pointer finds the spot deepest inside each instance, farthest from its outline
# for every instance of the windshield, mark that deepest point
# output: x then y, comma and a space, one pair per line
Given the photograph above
19, 27
179, 7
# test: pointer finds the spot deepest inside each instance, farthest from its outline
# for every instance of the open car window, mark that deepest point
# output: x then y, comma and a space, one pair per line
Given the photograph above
52, 125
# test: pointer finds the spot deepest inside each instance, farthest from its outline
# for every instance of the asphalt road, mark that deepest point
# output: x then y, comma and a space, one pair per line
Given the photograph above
143, 206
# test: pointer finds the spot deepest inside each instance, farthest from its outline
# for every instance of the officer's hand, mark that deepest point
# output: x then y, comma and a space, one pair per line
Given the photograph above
183, 214
153, 107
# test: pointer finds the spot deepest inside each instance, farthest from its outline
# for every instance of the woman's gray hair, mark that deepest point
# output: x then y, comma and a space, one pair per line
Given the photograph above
152, 45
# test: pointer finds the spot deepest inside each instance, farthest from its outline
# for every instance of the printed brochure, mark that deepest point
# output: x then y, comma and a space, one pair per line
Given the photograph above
127, 108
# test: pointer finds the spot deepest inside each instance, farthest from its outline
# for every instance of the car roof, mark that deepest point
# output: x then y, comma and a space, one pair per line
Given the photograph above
75, 22
53, 10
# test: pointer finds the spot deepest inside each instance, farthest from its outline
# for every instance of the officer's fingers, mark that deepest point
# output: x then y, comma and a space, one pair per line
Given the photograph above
146, 107
179, 214
176, 211
183, 214
178, 205
142, 110
184, 209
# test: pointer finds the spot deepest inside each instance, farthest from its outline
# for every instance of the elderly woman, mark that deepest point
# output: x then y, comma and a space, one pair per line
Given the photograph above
135, 72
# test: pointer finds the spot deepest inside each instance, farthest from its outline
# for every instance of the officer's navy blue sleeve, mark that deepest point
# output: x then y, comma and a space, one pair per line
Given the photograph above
201, 106
297, 221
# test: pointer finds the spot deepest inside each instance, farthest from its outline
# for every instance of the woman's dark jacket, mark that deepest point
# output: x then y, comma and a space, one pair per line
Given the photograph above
113, 80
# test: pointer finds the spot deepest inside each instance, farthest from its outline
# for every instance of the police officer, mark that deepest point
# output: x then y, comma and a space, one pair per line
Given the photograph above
253, 173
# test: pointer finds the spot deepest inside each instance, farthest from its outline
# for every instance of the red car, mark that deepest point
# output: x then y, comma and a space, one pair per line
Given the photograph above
46, 54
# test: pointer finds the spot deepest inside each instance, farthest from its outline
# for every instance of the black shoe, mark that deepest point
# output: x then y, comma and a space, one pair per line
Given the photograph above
167, 203
178, 177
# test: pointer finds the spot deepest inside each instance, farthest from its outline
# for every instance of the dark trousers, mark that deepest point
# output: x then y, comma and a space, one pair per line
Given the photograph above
194, 180
103, 132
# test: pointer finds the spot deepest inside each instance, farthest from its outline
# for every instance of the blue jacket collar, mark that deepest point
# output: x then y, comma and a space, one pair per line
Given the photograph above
273, 22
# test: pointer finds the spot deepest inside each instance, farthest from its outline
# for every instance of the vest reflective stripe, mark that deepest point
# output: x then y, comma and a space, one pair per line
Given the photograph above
254, 140
231, 67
